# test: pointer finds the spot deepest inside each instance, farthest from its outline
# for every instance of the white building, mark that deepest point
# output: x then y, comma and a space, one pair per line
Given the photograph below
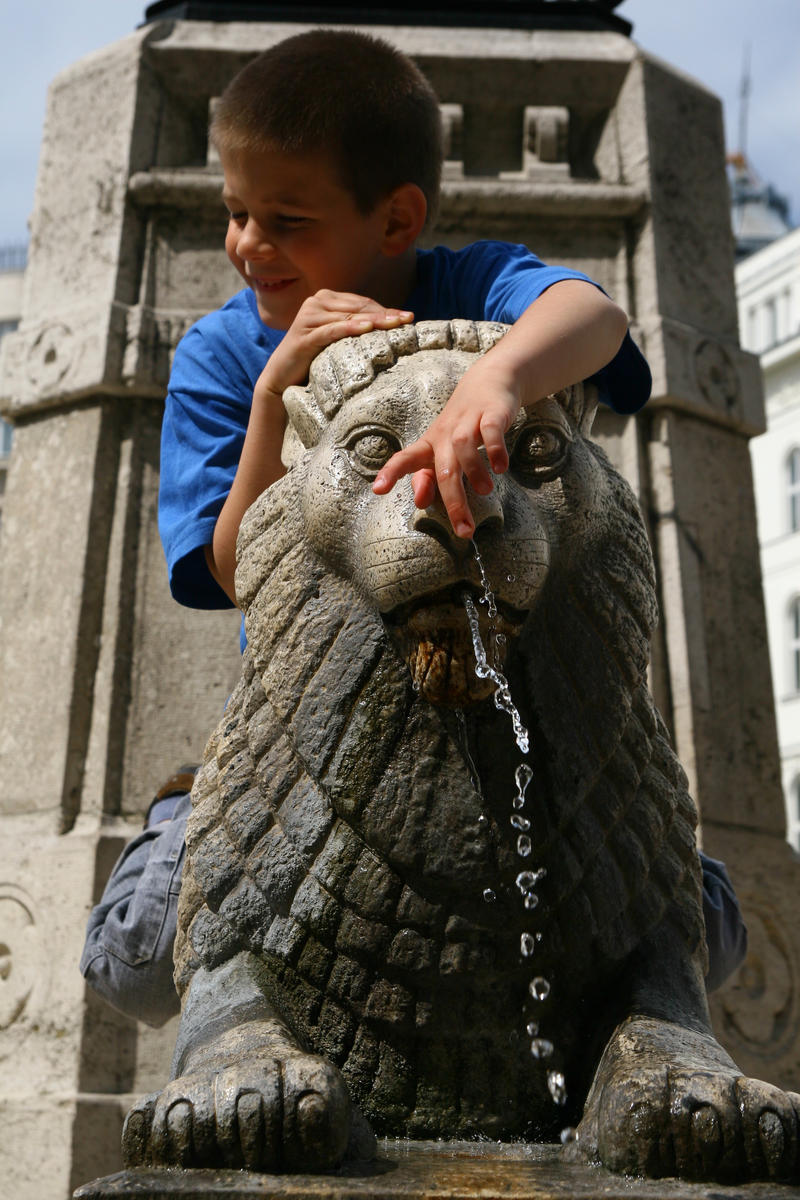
768, 287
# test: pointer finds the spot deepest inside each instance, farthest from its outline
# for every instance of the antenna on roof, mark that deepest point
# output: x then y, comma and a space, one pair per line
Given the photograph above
745, 88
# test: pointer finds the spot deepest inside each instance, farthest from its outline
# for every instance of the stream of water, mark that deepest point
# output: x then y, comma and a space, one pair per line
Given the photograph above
529, 878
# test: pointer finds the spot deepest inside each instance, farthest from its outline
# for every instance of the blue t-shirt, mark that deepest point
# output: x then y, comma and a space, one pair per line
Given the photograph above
219, 360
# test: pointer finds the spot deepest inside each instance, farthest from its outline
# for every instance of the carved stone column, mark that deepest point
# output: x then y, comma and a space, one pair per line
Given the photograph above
105, 684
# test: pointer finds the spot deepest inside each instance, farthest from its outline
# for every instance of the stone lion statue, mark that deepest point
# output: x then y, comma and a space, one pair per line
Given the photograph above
368, 944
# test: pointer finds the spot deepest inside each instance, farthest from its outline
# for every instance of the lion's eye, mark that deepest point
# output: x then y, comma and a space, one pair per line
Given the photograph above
540, 452
370, 449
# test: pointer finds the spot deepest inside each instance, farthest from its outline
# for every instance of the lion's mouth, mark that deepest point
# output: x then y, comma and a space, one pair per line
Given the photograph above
433, 635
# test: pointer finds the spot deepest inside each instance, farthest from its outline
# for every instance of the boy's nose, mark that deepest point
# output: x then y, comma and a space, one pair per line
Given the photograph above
254, 243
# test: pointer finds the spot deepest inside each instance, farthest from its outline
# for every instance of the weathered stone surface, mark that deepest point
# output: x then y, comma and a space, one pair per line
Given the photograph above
757, 1013
416, 1171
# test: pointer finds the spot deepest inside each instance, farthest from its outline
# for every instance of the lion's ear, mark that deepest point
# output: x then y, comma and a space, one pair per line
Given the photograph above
305, 415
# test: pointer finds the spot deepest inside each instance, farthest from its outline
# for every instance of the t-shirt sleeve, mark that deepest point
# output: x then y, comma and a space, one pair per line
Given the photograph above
498, 281
624, 384
205, 421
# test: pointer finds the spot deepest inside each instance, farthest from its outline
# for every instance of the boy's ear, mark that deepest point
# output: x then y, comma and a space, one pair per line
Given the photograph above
406, 210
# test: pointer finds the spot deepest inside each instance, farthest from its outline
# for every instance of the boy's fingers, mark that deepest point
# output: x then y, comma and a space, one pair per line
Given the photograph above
473, 465
423, 485
451, 488
494, 443
412, 458
326, 305
340, 325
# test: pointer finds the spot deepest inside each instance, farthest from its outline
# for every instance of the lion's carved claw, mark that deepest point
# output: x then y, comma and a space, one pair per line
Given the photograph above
669, 1101
265, 1111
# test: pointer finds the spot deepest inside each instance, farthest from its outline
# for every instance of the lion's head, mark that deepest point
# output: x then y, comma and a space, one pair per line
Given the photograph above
366, 398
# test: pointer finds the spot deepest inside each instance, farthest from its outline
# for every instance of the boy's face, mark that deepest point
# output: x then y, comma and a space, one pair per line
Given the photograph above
294, 229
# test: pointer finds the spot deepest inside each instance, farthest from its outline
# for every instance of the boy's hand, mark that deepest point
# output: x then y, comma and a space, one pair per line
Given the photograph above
568, 333
323, 318
479, 413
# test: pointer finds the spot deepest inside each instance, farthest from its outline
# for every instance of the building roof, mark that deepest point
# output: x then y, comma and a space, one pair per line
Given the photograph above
759, 214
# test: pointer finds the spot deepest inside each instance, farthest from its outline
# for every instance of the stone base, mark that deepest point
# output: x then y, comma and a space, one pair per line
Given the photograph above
419, 1170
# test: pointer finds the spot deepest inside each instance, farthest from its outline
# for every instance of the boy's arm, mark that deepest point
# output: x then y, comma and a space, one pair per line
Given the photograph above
323, 318
567, 334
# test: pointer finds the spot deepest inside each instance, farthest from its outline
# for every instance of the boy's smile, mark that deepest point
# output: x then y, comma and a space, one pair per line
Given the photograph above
294, 229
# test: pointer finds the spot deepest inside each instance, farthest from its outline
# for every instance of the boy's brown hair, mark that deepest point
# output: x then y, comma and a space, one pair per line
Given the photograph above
350, 95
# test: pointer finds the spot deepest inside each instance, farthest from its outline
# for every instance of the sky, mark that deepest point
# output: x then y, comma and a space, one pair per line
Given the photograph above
707, 39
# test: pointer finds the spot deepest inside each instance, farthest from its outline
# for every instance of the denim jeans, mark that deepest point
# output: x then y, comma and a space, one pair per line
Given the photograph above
127, 956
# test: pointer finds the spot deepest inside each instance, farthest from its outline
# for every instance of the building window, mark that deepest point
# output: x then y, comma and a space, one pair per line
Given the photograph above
6, 431
752, 328
793, 489
794, 645
770, 324
13, 257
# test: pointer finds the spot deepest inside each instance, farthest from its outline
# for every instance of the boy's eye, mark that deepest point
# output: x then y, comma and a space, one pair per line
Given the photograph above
291, 221
540, 453
238, 218
370, 449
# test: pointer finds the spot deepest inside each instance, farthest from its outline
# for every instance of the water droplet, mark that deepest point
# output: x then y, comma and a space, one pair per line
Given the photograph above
489, 895
527, 944
520, 822
511, 578
532, 1028
488, 594
531, 901
539, 988
483, 819
523, 775
528, 879
500, 638
524, 846
568, 1135
416, 685
557, 1086
541, 1048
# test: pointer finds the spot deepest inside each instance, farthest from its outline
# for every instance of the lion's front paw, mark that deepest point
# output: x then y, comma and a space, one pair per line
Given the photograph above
668, 1101
263, 1112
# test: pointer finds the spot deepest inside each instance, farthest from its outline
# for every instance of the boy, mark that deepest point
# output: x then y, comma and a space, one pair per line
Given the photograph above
330, 147
331, 151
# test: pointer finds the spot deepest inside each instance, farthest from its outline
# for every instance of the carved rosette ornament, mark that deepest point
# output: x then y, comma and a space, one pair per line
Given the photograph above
20, 958
716, 375
50, 357
760, 1007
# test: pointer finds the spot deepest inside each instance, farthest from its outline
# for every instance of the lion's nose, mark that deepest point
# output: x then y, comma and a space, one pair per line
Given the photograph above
487, 513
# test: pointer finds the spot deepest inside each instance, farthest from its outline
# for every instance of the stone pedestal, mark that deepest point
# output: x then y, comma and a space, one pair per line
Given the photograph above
416, 1171
574, 142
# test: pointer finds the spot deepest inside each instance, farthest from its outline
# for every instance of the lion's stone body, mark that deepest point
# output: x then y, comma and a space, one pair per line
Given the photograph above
345, 829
